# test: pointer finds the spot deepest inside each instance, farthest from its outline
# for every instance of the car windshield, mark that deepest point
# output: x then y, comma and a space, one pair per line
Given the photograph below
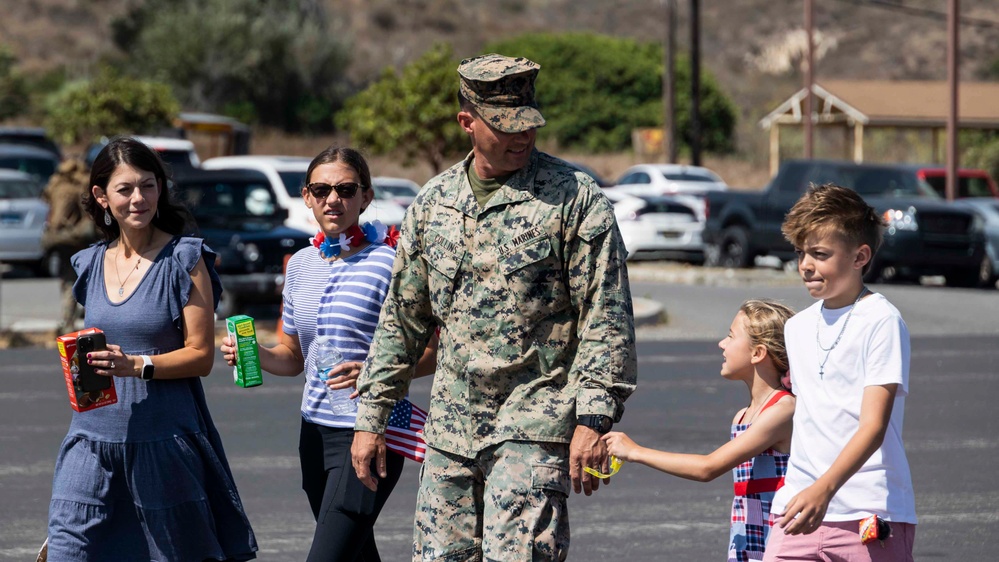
41, 168
691, 175
19, 189
293, 182
176, 159
874, 181
223, 200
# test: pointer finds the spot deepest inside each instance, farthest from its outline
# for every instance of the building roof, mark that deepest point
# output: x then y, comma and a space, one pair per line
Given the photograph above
903, 103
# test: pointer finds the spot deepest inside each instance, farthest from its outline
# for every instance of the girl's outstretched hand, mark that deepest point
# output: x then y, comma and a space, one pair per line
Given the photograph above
620, 445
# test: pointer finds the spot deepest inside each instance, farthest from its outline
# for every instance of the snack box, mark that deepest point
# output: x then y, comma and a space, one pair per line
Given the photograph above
81, 401
247, 371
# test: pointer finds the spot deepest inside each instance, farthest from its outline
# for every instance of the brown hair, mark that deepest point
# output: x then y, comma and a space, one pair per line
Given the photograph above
765, 326
344, 155
832, 208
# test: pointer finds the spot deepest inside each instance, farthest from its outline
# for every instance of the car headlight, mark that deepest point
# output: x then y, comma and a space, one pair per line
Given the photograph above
899, 220
251, 252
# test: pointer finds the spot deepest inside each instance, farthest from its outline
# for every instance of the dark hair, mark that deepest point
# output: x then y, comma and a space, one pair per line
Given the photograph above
343, 155
170, 217
832, 208
465, 104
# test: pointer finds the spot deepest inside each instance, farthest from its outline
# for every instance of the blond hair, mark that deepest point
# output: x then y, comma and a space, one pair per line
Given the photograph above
765, 326
832, 208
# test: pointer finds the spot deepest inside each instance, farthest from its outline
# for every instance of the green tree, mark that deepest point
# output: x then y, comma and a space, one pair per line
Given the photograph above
13, 87
594, 89
108, 104
412, 112
276, 62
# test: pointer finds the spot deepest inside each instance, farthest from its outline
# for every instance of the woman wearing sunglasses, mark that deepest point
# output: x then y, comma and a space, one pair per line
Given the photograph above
333, 293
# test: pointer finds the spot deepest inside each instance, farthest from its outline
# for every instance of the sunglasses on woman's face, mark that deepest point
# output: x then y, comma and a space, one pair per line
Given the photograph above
343, 190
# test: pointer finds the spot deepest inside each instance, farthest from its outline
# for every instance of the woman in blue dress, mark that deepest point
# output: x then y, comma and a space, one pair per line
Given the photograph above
146, 478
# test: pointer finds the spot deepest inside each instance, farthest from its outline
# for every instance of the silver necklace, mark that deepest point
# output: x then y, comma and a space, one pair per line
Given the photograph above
121, 287
818, 323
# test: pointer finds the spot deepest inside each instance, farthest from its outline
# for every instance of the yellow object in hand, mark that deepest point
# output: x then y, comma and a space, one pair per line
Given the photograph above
615, 466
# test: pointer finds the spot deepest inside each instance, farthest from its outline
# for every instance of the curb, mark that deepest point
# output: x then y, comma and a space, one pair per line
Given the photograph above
647, 311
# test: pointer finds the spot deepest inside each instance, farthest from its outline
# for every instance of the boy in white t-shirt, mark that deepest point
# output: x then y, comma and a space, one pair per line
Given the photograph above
849, 363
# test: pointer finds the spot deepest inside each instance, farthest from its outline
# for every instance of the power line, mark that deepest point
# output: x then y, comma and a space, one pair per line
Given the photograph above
923, 12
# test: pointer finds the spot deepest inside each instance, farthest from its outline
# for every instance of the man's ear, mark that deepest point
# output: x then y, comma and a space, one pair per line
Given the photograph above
863, 256
465, 119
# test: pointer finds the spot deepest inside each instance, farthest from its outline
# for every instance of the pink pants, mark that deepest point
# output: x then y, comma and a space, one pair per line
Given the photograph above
839, 541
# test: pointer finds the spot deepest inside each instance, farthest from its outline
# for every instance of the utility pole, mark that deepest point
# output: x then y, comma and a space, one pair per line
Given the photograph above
809, 78
695, 83
670, 141
953, 9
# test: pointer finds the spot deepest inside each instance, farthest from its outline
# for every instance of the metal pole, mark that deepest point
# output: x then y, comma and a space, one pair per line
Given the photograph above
695, 83
670, 141
953, 8
809, 78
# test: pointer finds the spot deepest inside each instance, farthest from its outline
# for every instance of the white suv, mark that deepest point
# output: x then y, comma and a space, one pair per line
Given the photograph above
287, 176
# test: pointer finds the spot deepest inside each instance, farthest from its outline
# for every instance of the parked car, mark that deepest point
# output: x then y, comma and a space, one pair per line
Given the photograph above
40, 163
970, 182
22, 219
30, 136
670, 179
657, 226
988, 209
178, 154
399, 190
286, 175
237, 214
925, 236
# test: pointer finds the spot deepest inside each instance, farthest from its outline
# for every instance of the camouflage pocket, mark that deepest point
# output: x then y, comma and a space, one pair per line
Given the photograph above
534, 276
442, 273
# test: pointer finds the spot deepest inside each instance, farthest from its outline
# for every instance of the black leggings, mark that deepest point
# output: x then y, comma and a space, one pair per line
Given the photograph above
345, 510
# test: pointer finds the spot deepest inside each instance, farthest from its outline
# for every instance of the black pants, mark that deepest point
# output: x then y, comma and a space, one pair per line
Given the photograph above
345, 510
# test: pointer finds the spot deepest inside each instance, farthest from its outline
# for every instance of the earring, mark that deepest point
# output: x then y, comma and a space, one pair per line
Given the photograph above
107, 217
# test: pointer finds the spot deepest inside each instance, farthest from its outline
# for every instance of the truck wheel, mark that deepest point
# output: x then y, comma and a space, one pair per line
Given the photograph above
734, 248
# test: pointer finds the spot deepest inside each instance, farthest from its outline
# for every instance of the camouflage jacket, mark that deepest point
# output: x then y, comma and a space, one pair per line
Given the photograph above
533, 299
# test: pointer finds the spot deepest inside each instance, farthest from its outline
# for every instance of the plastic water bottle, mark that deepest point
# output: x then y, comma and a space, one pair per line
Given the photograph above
327, 357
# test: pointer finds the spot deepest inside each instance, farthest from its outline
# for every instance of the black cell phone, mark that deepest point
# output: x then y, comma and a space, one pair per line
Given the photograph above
89, 381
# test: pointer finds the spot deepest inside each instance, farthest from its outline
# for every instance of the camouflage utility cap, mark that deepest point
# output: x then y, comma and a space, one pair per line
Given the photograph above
502, 91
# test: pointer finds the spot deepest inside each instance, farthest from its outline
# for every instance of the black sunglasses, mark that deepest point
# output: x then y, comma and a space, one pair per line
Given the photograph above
343, 190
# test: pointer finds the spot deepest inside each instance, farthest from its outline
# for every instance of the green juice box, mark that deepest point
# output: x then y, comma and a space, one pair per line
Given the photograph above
247, 372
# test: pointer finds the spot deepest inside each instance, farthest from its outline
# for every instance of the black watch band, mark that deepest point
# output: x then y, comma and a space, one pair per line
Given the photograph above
598, 423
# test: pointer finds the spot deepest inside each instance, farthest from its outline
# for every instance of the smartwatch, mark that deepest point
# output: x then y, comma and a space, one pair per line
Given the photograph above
147, 368
598, 423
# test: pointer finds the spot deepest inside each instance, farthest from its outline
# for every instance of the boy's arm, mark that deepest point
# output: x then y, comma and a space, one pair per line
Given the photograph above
805, 512
772, 426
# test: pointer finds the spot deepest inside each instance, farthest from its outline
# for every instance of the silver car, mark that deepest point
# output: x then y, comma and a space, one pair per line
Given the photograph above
22, 218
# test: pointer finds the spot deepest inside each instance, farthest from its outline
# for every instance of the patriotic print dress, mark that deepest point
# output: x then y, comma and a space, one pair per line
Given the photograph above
756, 481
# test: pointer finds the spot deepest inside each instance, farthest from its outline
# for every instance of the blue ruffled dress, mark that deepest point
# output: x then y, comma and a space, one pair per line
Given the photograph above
146, 478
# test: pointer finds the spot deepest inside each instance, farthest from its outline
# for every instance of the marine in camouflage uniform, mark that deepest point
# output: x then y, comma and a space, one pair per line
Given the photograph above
530, 288
69, 229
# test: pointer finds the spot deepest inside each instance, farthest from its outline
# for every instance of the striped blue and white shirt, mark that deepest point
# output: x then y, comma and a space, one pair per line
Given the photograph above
340, 300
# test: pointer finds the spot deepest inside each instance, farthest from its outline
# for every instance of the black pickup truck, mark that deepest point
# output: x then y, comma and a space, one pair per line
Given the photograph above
926, 235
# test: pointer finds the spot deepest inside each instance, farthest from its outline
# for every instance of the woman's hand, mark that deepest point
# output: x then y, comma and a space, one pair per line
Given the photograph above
345, 375
113, 362
228, 351
620, 445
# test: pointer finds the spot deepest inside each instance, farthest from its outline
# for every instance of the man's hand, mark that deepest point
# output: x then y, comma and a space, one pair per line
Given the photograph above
586, 449
368, 446
805, 511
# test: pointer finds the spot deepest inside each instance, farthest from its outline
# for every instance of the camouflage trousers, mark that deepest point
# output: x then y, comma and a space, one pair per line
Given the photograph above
507, 503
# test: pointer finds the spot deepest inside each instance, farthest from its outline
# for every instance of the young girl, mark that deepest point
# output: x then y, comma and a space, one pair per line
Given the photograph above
761, 432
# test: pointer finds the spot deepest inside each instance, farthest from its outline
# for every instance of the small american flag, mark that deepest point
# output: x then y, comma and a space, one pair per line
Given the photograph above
404, 433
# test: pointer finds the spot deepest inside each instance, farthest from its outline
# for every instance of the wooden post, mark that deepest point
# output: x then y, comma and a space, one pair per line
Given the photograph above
858, 142
774, 147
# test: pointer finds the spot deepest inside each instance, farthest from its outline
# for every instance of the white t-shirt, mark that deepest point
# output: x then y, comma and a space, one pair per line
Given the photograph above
874, 350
